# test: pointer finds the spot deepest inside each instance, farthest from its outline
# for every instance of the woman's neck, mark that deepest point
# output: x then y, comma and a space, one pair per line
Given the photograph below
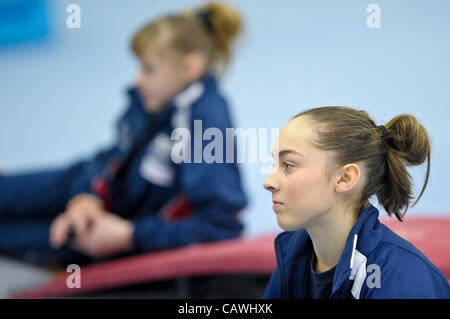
329, 235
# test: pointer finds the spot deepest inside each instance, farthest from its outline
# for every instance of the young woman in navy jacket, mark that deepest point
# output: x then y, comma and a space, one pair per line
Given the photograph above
329, 162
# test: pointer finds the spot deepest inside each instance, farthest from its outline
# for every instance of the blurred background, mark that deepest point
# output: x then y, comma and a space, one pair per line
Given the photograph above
62, 89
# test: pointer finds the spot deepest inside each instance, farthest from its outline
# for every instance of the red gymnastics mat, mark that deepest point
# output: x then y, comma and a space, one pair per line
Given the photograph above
246, 255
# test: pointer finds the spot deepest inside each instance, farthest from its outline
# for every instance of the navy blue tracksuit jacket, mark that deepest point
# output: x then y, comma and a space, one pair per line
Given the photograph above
146, 180
375, 264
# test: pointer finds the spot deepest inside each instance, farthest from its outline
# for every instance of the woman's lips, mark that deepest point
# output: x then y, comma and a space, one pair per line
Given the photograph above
143, 96
276, 205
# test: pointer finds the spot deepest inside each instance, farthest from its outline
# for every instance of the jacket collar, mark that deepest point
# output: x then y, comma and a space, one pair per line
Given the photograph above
184, 99
294, 250
361, 241
192, 92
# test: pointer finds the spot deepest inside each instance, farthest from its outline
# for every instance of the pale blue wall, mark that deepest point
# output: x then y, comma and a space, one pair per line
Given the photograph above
59, 98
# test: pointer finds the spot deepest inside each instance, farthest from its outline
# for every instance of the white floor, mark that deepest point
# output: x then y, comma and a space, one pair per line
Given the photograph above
16, 276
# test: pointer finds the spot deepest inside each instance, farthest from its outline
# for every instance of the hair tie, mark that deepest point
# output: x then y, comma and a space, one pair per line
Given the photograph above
205, 18
382, 129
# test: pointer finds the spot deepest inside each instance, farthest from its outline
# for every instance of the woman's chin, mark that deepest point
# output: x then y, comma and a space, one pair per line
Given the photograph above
288, 225
152, 106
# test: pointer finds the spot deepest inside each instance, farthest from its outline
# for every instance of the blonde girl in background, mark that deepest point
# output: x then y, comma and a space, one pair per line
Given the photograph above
110, 205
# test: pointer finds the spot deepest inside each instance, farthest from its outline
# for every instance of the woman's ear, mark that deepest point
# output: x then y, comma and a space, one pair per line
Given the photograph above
195, 65
349, 177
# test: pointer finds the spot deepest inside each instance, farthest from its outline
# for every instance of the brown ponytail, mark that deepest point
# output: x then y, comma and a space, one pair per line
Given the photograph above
406, 142
352, 136
209, 29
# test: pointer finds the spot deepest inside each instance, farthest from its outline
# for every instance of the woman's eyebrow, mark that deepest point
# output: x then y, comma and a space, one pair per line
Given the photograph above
286, 152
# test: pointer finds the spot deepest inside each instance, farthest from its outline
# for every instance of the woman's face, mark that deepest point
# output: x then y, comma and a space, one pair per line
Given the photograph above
301, 184
161, 77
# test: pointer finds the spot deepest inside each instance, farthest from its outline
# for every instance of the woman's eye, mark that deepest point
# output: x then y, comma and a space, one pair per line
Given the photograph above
287, 166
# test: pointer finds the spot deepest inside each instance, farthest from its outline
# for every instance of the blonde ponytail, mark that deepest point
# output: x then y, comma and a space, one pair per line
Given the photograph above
225, 25
209, 29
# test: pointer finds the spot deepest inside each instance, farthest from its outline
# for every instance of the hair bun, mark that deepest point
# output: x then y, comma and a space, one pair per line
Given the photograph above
224, 23
408, 138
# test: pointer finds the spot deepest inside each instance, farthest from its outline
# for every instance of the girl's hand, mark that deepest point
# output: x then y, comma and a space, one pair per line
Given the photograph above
81, 213
85, 201
108, 235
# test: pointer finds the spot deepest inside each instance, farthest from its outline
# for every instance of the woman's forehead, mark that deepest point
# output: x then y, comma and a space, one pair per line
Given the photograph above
297, 130
295, 136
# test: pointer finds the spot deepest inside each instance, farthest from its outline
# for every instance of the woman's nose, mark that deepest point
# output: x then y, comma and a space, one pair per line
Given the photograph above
270, 184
